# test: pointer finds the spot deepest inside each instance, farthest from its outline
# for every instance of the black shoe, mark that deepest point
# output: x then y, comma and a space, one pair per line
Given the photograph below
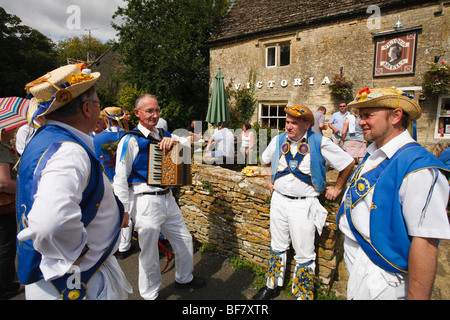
196, 283
18, 288
124, 254
266, 293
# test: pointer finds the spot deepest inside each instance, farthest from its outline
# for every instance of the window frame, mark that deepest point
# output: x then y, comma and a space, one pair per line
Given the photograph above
277, 54
289, 46
272, 105
443, 114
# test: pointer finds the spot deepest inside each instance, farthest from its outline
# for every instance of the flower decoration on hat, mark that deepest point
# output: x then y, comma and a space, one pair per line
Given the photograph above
85, 75
362, 95
297, 110
367, 94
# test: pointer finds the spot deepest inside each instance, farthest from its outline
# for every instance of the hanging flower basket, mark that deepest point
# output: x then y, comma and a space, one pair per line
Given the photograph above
341, 86
437, 79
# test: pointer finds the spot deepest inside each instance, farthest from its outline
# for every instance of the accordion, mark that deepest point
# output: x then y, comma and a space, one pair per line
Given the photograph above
170, 168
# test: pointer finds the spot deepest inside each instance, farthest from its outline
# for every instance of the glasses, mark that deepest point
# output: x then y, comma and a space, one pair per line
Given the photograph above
153, 111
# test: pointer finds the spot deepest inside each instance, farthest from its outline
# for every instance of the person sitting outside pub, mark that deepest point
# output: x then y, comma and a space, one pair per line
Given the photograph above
222, 142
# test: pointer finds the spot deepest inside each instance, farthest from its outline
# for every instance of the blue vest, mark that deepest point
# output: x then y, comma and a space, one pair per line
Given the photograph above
105, 144
139, 171
390, 242
44, 144
318, 170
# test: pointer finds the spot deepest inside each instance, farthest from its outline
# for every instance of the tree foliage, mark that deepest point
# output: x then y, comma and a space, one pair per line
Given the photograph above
78, 48
164, 45
25, 54
127, 99
243, 102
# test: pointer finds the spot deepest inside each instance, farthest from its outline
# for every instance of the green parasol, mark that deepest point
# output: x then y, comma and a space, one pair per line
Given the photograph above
218, 105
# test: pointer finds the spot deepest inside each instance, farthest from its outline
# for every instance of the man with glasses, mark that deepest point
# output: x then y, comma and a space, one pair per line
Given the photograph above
336, 123
69, 220
155, 208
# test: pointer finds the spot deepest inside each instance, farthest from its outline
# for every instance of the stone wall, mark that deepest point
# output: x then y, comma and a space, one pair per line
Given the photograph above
230, 211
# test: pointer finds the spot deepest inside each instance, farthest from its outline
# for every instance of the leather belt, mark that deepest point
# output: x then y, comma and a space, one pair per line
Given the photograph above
292, 198
157, 193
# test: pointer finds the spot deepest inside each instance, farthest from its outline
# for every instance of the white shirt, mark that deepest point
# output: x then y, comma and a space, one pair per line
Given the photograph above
54, 221
24, 135
123, 169
413, 194
351, 123
225, 142
292, 186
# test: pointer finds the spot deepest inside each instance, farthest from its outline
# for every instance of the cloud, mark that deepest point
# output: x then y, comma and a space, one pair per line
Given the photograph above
60, 19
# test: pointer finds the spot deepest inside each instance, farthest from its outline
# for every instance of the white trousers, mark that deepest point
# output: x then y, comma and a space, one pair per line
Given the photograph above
155, 214
367, 281
109, 283
126, 235
295, 221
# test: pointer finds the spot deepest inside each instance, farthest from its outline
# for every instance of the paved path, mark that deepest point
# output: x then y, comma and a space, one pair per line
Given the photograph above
223, 282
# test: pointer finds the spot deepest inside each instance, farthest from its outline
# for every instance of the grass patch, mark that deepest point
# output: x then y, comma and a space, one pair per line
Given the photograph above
259, 280
207, 186
205, 247
258, 272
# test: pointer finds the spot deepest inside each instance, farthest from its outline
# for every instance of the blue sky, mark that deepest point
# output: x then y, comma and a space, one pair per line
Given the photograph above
60, 19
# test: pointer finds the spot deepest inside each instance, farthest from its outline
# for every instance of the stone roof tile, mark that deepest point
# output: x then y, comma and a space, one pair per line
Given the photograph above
252, 17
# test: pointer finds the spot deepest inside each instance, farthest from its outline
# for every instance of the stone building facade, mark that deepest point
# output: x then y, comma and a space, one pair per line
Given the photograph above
296, 47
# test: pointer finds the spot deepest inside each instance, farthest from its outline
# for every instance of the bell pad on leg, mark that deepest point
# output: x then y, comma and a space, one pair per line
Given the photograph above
303, 283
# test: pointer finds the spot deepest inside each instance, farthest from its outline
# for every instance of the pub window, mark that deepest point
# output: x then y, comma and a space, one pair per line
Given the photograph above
271, 56
278, 55
285, 55
442, 129
272, 115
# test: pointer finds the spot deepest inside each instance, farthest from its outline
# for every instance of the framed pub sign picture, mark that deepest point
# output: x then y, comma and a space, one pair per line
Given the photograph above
395, 53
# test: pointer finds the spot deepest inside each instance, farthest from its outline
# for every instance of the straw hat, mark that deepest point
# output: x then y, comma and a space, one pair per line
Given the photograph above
34, 103
300, 111
387, 98
60, 86
115, 113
